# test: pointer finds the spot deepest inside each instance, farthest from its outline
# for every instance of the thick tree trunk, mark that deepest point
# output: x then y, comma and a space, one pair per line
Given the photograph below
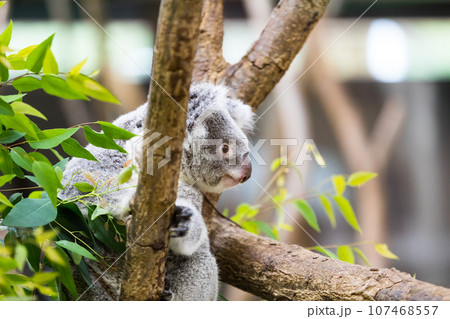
147, 235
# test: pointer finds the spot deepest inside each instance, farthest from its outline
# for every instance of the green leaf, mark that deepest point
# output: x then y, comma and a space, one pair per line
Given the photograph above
326, 252
5, 179
345, 253
339, 184
7, 264
360, 178
20, 255
12, 97
34, 255
19, 123
5, 108
384, 251
24, 108
56, 86
77, 68
36, 58
16, 62
265, 229
47, 178
44, 277
84, 187
275, 164
362, 255
50, 64
328, 207
21, 158
27, 84
308, 213
87, 86
52, 138
65, 272
101, 140
99, 212
74, 149
125, 175
5, 200
347, 211
106, 236
115, 132
10, 136
74, 247
57, 155
6, 163
5, 37
30, 212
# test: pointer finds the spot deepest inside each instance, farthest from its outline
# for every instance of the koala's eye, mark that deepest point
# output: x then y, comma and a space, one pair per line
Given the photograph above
225, 148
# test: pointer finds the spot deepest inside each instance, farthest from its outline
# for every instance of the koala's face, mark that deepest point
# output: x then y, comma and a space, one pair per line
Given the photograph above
217, 155
215, 151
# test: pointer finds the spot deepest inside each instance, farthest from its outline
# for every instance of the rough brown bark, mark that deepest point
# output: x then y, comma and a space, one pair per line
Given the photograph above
148, 238
210, 65
277, 271
265, 63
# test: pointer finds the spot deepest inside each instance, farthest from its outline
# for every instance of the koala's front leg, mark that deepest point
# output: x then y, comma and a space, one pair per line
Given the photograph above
188, 230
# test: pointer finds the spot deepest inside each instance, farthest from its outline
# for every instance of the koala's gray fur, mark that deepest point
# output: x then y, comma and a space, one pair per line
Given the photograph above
191, 270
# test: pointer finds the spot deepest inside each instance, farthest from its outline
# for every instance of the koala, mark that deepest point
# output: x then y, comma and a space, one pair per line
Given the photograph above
215, 157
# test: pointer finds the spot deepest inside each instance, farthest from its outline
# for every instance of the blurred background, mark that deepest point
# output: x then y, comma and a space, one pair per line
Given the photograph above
371, 88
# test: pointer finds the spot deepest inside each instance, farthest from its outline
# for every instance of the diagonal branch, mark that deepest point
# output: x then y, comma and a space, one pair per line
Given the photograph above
265, 63
209, 63
277, 271
147, 234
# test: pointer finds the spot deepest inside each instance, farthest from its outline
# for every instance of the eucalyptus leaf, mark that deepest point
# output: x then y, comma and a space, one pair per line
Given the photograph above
115, 132
57, 86
345, 253
74, 247
51, 138
360, 178
101, 140
74, 149
347, 211
30, 212
24, 108
10, 136
328, 207
27, 84
308, 213
47, 178
35, 59
87, 86
339, 184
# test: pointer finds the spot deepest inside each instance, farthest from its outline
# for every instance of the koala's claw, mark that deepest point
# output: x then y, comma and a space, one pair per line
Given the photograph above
180, 221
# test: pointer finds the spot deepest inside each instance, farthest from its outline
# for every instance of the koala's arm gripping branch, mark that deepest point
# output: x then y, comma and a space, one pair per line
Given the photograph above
153, 205
257, 73
277, 271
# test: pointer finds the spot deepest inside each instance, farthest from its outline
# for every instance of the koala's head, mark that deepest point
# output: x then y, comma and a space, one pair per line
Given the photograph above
215, 150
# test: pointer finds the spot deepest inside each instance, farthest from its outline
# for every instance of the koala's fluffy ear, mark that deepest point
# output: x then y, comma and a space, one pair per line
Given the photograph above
242, 114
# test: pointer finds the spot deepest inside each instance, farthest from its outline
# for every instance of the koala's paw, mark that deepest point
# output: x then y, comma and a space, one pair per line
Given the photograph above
180, 221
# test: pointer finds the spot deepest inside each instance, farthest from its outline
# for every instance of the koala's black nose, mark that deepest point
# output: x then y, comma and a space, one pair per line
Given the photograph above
246, 169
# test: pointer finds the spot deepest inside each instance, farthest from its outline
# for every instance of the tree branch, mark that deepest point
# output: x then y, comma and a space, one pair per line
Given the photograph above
210, 65
265, 63
147, 235
277, 271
